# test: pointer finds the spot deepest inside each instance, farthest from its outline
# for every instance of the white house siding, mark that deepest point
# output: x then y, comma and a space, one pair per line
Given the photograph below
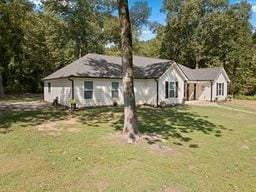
203, 91
190, 91
145, 92
171, 75
220, 79
102, 92
60, 88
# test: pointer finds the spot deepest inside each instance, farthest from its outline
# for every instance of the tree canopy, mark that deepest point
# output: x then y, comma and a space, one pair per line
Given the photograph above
37, 40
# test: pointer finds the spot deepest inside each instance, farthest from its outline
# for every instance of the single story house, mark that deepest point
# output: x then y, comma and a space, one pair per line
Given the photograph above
96, 80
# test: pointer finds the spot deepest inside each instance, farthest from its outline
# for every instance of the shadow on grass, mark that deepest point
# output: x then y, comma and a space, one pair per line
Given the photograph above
172, 122
28, 118
175, 123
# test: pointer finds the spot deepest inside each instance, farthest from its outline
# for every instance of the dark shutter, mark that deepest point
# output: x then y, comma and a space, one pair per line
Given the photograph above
217, 88
166, 89
49, 87
177, 89
222, 89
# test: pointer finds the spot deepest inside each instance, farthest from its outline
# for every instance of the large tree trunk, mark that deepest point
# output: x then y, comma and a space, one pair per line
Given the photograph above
130, 116
1, 86
1, 82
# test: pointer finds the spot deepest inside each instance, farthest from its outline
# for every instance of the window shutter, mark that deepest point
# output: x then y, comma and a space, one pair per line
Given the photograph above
166, 89
177, 89
222, 89
217, 87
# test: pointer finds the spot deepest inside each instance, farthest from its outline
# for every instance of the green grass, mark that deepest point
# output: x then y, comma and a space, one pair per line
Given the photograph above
212, 149
249, 106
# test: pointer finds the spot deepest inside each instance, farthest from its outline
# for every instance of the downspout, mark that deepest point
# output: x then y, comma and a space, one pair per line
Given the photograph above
72, 87
211, 91
157, 91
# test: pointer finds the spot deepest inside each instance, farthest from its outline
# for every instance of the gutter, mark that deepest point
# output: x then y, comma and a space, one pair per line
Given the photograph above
72, 87
157, 91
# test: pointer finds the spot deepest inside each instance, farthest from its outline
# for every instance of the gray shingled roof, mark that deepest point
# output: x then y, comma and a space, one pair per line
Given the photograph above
95, 65
102, 66
201, 74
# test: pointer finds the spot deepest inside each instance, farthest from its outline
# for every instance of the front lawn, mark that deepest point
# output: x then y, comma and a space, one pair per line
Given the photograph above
203, 149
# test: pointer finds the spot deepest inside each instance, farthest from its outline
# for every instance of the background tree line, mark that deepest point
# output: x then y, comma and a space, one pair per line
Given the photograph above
36, 41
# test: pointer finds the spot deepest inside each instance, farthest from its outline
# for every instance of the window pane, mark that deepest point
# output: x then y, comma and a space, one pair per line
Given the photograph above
115, 85
219, 93
172, 89
88, 85
171, 85
114, 94
172, 93
88, 94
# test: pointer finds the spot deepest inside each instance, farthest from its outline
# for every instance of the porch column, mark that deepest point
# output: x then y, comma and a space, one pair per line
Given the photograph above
211, 90
194, 91
187, 91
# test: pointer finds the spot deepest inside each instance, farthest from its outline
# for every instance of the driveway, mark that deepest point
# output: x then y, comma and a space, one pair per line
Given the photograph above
23, 105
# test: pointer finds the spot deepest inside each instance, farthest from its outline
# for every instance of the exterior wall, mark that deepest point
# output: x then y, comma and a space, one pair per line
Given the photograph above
190, 91
203, 91
102, 92
220, 79
172, 74
60, 88
145, 92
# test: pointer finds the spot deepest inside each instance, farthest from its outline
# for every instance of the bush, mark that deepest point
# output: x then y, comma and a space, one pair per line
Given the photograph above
245, 97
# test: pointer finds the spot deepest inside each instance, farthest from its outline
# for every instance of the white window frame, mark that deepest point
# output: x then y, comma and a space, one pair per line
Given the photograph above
172, 89
115, 90
88, 89
220, 89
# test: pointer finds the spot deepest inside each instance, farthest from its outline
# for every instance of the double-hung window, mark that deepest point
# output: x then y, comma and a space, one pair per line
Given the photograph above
171, 89
220, 89
88, 89
115, 87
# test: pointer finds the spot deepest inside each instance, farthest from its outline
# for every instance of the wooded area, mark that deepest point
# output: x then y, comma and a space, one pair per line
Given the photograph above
36, 41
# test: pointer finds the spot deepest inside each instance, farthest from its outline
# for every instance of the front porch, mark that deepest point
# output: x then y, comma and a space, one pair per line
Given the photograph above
198, 91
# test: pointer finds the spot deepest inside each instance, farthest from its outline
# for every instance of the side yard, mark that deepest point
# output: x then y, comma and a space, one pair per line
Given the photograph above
189, 148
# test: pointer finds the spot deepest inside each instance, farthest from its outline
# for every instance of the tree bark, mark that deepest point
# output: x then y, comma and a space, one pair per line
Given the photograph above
1, 86
130, 116
1, 82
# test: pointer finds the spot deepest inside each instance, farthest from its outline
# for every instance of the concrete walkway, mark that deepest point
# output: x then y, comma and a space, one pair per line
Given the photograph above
201, 103
23, 106
214, 104
233, 109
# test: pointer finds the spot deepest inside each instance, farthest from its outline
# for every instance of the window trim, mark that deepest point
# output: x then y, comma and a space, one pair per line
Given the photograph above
220, 89
88, 90
172, 89
116, 90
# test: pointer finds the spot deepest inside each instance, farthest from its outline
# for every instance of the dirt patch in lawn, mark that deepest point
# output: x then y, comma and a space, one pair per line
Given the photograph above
56, 128
102, 185
153, 143
170, 189
10, 163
